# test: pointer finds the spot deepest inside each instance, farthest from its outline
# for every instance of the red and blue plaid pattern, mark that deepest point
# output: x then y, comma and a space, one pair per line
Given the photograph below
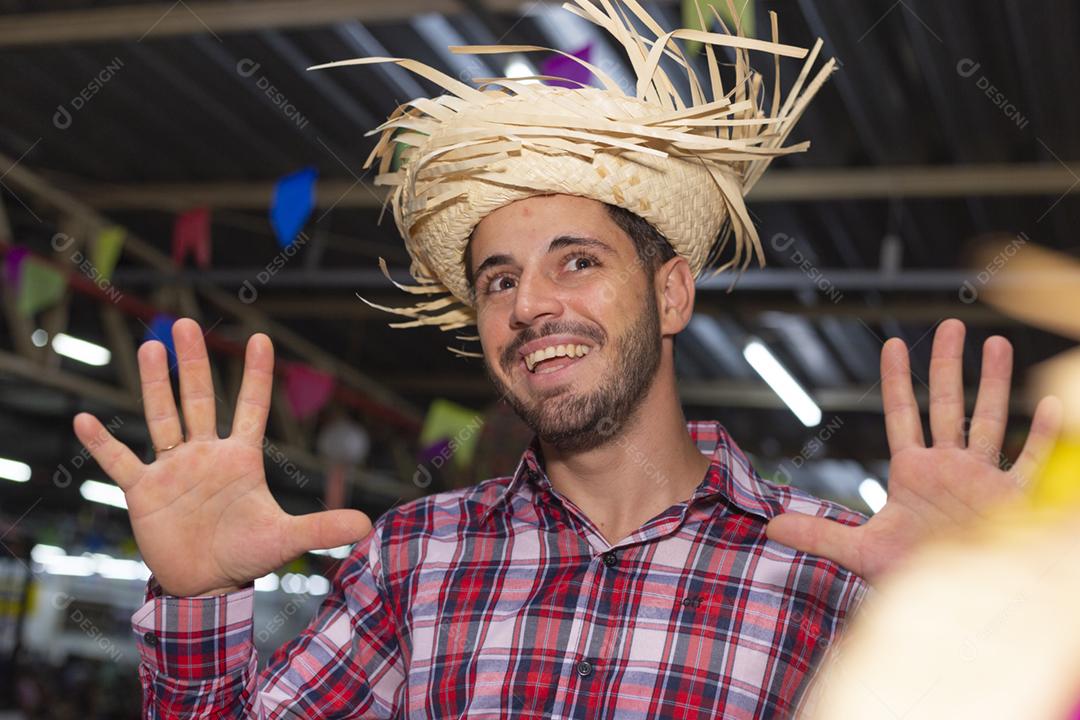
503, 600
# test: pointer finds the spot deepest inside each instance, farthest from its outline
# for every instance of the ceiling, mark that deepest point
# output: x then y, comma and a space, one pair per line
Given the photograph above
946, 121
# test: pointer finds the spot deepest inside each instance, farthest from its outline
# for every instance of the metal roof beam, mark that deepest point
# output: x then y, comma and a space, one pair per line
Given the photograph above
1049, 179
137, 22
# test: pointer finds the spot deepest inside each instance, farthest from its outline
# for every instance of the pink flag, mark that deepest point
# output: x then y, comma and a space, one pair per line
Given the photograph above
191, 235
307, 389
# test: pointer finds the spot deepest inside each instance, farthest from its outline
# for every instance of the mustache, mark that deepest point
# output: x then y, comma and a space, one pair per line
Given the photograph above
556, 327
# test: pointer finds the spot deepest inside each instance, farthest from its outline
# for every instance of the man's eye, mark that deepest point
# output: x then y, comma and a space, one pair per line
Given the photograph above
580, 262
500, 283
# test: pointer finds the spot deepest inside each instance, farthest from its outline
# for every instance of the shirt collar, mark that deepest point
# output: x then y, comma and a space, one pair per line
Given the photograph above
730, 474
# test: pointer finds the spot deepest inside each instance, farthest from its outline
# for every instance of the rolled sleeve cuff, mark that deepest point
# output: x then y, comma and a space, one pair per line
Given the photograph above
194, 638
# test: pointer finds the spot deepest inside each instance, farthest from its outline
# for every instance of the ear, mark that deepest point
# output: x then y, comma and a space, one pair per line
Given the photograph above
675, 295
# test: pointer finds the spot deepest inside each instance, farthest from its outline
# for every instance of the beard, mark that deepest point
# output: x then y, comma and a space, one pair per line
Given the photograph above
573, 422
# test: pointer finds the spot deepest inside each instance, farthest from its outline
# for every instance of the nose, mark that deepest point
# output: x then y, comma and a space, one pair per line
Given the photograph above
535, 298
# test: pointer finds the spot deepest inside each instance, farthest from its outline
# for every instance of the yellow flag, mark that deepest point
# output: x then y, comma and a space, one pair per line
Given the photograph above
106, 251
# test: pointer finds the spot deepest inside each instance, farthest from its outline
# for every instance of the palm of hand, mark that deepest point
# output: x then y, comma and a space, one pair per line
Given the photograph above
229, 507
931, 489
202, 513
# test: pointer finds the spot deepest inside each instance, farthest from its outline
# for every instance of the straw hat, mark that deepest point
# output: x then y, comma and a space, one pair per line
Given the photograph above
684, 166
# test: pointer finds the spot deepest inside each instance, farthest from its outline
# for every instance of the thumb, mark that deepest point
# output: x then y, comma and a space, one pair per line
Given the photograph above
317, 531
817, 536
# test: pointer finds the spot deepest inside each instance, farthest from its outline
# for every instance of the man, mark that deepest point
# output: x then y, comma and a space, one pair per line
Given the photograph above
635, 565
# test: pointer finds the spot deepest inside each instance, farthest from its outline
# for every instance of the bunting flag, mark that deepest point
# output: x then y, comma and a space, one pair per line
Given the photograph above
160, 328
456, 426
294, 199
13, 265
564, 67
726, 9
40, 286
191, 236
105, 252
399, 148
307, 389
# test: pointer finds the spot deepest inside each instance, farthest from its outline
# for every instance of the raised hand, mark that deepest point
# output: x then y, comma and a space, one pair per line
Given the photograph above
202, 514
932, 488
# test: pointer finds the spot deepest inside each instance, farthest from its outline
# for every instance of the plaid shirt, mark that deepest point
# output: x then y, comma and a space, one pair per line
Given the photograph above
503, 600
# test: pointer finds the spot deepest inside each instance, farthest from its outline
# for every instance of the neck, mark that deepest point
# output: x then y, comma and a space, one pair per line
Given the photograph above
648, 465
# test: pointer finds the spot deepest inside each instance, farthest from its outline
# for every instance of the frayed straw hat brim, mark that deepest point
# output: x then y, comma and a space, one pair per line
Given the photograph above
684, 165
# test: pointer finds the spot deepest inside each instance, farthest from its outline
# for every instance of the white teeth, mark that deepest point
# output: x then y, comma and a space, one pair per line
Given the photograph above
533, 358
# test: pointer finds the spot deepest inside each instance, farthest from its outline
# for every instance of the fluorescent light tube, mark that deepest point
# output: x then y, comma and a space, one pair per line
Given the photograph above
782, 383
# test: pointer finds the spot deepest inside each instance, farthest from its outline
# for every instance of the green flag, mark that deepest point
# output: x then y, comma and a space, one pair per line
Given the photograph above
447, 420
40, 286
744, 8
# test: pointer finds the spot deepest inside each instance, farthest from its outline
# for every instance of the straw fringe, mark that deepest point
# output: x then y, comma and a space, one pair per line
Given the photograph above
492, 135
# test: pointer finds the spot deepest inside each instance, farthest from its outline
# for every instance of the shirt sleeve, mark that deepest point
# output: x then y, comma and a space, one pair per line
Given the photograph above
198, 658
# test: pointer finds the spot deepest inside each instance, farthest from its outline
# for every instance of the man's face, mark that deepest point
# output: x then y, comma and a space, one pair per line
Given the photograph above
567, 316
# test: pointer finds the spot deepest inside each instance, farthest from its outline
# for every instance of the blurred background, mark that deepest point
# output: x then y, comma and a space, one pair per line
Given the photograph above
161, 160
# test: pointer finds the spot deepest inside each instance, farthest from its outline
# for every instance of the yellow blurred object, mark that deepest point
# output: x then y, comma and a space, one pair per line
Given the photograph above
979, 625
983, 623
1027, 281
1058, 485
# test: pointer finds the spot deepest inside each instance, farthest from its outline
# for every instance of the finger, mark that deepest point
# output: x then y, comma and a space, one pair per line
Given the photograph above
991, 413
947, 385
902, 423
157, 395
817, 536
253, 402
321, 530
196, 387
114, 457
1045, 426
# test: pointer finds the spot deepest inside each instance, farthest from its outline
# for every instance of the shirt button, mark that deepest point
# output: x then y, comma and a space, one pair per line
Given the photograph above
584, 668
150, 638
610, 559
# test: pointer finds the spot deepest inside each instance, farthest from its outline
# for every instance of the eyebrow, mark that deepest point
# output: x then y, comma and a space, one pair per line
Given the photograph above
558, 243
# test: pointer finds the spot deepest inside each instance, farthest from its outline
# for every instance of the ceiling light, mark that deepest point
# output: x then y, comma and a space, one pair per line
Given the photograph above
520, 68
81, 350
14, 470
873, 494
782, 383
104, 493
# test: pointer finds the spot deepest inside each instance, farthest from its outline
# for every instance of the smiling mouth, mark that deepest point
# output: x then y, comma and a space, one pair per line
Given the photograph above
546, 359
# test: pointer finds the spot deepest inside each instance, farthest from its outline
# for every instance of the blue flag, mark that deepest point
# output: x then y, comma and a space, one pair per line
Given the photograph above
161, 329
294, 199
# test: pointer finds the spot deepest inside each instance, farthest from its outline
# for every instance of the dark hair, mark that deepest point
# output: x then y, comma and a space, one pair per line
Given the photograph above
653, 249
